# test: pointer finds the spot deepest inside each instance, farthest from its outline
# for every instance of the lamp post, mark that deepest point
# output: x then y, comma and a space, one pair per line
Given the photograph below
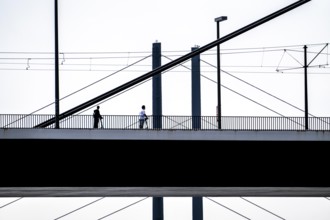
218, 20
57, 91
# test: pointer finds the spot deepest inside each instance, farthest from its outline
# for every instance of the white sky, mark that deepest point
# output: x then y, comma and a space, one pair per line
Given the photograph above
130, 27
175, 208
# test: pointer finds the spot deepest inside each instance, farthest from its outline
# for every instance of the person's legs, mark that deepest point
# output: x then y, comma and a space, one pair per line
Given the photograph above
96, 123
141, 123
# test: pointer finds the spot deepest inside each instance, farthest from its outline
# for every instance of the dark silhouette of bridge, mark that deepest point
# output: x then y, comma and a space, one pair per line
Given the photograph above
164, 162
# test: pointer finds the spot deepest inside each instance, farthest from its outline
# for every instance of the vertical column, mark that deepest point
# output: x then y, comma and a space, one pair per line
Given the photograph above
57, 92
156, 87
306, 89
218, 79
157, 208
197, 208
196, 90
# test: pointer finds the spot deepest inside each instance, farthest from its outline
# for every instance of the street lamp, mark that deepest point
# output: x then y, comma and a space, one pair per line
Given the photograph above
218, 20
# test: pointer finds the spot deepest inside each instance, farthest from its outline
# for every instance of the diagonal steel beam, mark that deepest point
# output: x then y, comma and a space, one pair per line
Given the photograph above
173, 63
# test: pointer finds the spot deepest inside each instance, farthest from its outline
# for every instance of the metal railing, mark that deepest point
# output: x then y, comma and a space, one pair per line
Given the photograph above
166, 122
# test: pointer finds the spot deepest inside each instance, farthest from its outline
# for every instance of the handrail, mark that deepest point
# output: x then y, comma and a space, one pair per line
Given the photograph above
171, 122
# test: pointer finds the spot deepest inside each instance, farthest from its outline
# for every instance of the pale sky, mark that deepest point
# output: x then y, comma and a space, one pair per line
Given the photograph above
175, 208
99, 37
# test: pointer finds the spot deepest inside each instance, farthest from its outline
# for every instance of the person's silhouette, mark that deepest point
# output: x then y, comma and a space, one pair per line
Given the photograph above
97, 116
143, 117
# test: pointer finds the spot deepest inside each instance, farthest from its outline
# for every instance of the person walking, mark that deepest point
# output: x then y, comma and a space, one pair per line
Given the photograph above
97, 116
143, 117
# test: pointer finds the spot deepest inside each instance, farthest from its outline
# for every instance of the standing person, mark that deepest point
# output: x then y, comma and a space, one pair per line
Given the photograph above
97, 116
143, 116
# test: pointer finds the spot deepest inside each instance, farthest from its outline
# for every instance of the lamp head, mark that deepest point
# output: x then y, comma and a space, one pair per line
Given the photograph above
221, 18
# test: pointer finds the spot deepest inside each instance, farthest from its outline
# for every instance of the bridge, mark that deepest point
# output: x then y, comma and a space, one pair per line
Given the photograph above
222, 156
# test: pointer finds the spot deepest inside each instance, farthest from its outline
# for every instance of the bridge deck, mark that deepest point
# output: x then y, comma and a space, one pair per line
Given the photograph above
89, 162
157, 135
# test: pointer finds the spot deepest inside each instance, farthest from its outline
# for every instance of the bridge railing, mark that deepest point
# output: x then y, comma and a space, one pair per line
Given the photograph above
170, 122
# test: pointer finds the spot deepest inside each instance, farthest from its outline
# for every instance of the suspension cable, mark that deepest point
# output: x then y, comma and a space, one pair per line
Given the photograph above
262, 208
97, 81
241, 95
85, 87
259, 89
228, 208
79, 208
11, 202
122, 208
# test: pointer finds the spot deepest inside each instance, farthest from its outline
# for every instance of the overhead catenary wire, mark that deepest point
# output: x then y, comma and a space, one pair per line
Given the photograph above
166, 51
205, 71
280, 60
327, 55
326, 46
129, 56
68, 58
100, 80
294, 58
246, 50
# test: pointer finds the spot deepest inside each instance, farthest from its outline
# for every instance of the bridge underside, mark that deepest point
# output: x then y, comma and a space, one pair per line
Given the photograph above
151, 163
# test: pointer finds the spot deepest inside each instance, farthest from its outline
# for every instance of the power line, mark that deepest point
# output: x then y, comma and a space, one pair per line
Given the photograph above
241, 50
166, 51
168, 70
67, 58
